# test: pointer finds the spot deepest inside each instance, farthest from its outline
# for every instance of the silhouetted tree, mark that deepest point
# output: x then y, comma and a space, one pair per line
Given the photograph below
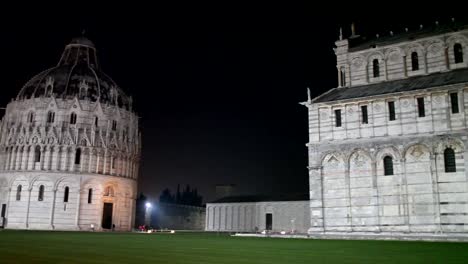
166, 197
188, 196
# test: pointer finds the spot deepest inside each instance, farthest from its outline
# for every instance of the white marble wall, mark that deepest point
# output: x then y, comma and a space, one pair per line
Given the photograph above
53, 212
251, 217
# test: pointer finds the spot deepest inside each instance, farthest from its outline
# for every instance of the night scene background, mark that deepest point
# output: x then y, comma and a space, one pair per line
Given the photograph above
217, 87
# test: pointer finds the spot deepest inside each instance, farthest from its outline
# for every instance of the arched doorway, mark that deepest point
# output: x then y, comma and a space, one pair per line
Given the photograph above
108, 208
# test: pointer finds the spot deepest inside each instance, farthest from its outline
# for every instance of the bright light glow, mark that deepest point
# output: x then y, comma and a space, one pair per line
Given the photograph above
149, 231
148, 205
172, 231
283, 232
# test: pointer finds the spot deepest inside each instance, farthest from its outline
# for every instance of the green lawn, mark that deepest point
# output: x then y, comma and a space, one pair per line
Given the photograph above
78, 247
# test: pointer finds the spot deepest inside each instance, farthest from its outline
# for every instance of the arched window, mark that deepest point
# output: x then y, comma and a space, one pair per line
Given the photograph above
414, 61
114, 125
388, 165
114, 160
51, 117
18, 193
376, 68
109, 191
77, 156
449, 160
65, 195
96, 121
37, 154
40, 197
90, 195
458, 53
73, 118
30, 117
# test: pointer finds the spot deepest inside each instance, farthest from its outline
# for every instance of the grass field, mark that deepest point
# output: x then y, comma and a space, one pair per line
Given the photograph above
78, 247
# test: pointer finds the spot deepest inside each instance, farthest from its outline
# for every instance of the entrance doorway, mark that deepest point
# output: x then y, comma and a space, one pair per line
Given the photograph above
107, 216
269, 221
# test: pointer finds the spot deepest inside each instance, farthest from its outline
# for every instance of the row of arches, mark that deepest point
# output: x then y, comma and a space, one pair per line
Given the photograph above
69, 159
385, 159
414, 60
410, 188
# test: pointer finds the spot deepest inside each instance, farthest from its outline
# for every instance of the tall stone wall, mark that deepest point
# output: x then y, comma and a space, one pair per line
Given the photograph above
179, 217
251, 217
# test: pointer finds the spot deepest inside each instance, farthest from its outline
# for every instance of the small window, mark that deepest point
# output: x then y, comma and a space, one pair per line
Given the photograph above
391, 111
114, 160
449, 160
458, 53
388, 165
414, 61
114, 125
338, 118
78, 156
376, 68
51, 117
73, 119
421, 109
364, 114
18, 193
96, 121
454, 103
65, 195
343, 76
30, 117
37, 154
90, 195
40, 197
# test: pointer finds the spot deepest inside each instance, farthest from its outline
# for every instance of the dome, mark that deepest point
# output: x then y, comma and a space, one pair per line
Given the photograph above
77, 75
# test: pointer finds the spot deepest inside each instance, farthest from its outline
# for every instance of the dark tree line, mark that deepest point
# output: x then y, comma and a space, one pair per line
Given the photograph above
187, 196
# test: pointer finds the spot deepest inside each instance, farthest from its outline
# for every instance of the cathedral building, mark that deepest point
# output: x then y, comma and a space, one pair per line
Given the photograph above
388, 148
69, 149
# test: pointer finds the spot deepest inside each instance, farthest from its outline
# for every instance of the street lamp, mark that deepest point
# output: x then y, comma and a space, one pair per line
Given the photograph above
148, 214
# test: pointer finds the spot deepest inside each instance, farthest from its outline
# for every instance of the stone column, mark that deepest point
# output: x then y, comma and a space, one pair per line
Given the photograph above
435, 190
52, 209
98, 159
26, 221
348, 194
375, 185
90, 160
404, 191
339, 76
64, 158
78, 205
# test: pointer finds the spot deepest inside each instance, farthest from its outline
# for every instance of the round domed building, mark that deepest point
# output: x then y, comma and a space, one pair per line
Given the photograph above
69, 149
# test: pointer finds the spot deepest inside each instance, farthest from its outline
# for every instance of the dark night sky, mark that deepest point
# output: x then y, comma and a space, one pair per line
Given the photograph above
217, 87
